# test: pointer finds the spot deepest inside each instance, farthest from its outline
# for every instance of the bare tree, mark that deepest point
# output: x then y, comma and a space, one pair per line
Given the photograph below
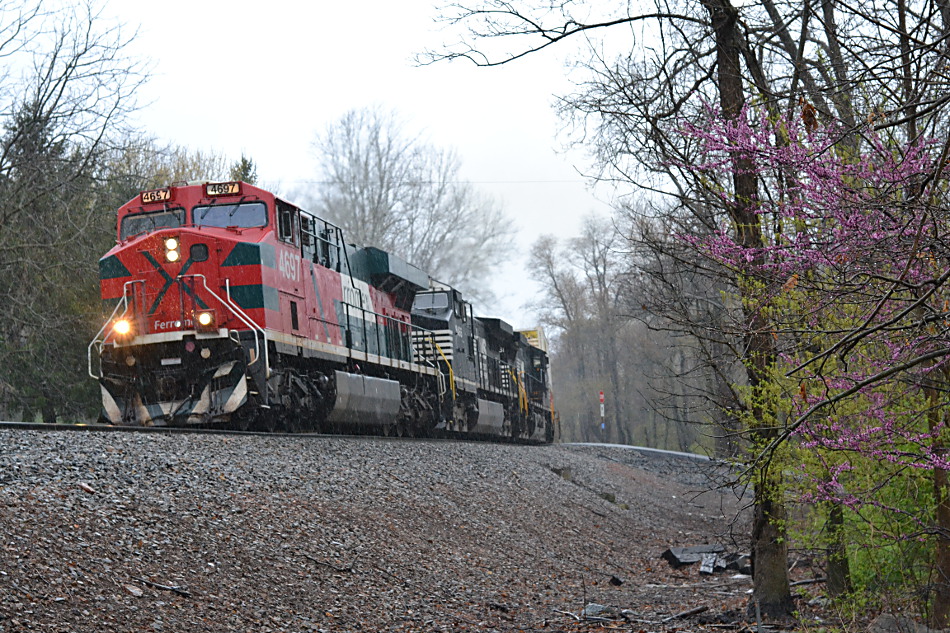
392, 190
605, 310
831, 61
579, 279
64, 100
708, 44
566, 308
144, 163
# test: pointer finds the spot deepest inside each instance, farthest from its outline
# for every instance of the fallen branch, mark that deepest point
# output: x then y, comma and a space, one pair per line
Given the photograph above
181, 592
807, 581
576, 617
393, 576
704, 585
331, 566
685, 614
602, 515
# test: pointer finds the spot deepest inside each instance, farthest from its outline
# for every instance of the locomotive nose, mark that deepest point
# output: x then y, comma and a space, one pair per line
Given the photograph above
177, 291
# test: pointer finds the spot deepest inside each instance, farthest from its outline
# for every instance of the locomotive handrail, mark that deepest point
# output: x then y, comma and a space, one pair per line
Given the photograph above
228, 303
447, 363
244, 318
123, 302
427, 336
522, 394
426, 341
414, 356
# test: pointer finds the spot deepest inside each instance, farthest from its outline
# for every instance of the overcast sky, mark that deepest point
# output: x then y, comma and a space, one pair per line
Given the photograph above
265, 78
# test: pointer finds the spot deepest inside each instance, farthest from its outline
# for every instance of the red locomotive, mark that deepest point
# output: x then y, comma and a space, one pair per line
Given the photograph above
233, 307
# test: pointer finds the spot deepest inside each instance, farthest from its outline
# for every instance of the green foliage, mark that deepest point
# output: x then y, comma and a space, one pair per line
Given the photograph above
48, 270
63, 171
245, 170
886, 505
889, 559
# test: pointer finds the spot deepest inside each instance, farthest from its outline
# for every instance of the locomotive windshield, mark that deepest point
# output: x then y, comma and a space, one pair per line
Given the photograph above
138, 223
431, 301
242, 215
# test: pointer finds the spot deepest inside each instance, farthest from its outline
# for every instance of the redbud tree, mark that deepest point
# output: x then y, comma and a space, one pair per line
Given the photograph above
852, 278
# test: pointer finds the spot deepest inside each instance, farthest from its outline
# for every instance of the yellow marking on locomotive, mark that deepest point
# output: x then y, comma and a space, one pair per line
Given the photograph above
451, 373
522, 394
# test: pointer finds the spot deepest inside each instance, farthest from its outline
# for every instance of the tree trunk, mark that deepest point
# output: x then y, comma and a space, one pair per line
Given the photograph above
771, 595
619, 405
940, 616
941, 604
839, 571
727, 440
680, 406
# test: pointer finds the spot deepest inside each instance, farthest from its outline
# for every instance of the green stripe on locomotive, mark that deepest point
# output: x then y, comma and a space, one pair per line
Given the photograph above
245, 254
254, 296
112, 268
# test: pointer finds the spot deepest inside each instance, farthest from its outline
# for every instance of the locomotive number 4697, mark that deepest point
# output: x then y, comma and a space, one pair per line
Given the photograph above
222, 188
289, 265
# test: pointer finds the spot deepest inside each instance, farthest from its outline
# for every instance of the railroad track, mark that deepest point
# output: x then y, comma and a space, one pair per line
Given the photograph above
107, 428
171, 430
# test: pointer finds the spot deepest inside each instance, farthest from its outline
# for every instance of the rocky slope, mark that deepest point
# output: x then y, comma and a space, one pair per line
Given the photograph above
184, 532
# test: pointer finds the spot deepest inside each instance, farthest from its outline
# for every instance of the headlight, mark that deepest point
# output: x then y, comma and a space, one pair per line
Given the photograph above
122, 327
172, 253
205, 319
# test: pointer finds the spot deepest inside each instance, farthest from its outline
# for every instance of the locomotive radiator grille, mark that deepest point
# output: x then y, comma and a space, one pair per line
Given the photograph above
422, 344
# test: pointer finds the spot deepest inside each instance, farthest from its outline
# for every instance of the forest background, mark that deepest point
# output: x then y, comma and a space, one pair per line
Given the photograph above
771, 289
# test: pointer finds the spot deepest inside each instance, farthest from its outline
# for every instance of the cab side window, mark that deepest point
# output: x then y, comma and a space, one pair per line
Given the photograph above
319, 241
329, 249
288, 226
327, 239
308, 238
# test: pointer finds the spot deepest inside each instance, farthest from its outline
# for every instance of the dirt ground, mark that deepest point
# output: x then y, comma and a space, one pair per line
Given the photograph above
185, 532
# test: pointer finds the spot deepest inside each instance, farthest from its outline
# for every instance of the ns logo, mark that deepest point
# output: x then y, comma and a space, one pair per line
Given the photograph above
289, 265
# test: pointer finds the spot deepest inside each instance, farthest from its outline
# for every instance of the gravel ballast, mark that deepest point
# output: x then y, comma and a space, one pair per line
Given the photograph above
187, 532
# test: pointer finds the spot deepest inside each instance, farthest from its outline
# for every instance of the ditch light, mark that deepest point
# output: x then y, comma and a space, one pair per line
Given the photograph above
206, 321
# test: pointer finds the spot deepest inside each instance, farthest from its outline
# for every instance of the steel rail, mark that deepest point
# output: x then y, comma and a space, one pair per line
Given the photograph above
177, 430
